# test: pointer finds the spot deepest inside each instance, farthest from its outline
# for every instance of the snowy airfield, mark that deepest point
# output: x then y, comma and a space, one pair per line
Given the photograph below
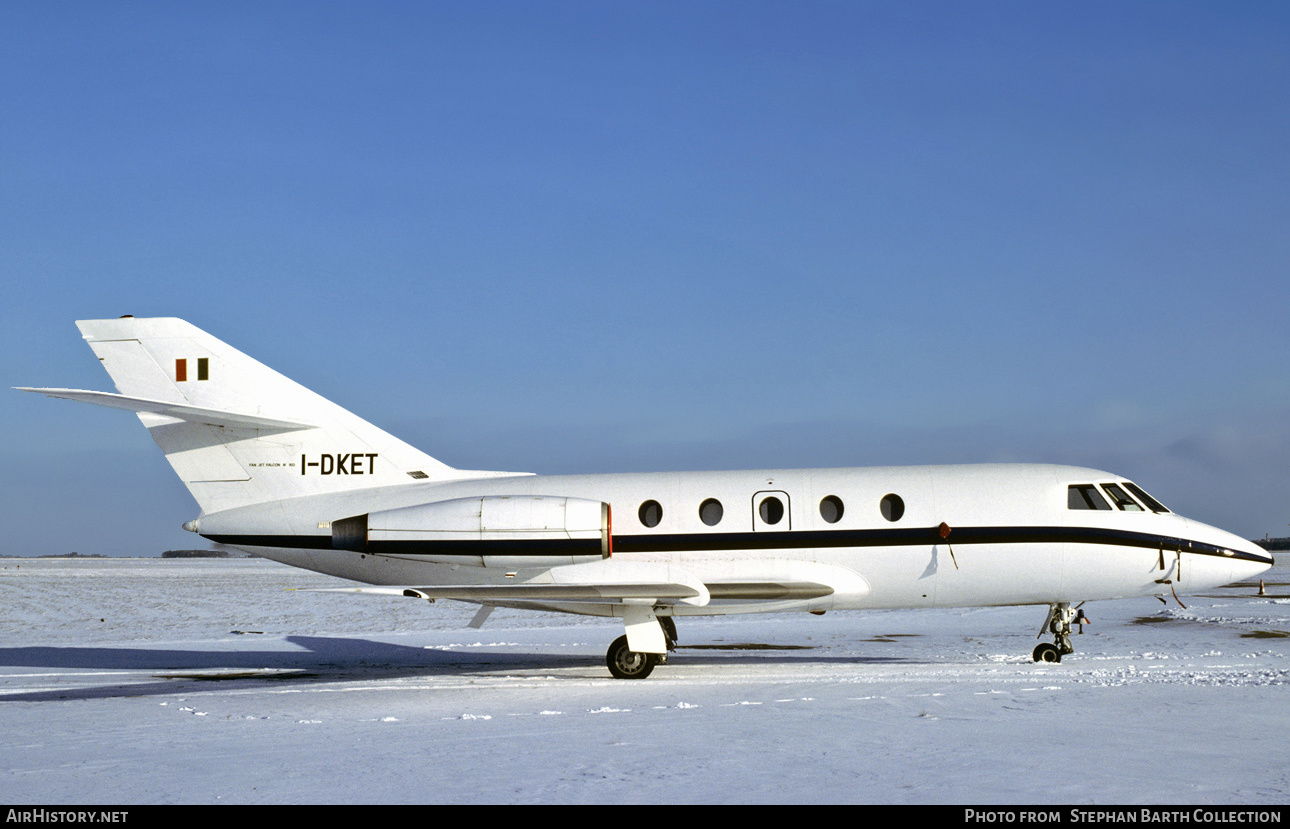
145, 681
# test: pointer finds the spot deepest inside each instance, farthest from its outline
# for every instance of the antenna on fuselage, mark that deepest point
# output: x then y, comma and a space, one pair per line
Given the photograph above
945, 531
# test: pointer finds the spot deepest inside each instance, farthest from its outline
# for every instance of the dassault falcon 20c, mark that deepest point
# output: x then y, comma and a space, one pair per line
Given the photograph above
283, 473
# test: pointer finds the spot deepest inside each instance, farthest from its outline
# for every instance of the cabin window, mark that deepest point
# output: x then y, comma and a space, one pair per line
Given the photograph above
1121, 498
651, 513
831, 509
1152, 503
893, 507
771, 510
1085, 496
710, 512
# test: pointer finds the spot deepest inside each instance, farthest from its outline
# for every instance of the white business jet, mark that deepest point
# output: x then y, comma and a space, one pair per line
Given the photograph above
283, 473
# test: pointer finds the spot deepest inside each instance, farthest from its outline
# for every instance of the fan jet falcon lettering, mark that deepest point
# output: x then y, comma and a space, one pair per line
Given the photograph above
283, 473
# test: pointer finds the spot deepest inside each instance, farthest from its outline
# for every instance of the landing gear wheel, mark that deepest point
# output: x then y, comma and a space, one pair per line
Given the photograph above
1047, 652
1060, 618
629, 664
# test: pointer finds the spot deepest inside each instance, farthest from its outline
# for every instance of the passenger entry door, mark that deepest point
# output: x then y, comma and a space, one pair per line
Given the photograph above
770, 511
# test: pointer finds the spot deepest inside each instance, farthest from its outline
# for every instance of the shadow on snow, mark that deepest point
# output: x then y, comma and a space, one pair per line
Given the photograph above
335, 660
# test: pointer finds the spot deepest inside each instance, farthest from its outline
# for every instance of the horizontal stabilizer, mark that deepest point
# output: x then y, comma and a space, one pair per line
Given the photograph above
179, 411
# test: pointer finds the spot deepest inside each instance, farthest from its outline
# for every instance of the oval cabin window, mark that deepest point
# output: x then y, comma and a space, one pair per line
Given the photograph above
831, 509
651, 513
771, 510
893, 507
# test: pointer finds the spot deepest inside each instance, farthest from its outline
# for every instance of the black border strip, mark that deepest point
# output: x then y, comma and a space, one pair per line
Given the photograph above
727, 542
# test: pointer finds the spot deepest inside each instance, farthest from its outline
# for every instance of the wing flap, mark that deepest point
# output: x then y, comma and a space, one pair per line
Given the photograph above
600, 582
597, 593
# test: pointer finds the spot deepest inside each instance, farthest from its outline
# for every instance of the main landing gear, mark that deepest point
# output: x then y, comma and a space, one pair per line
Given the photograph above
629, 664
625, 663
1060, 618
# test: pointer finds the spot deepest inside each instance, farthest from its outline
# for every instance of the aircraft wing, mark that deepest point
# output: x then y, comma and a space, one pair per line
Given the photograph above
180, 411
621, 592
615, 581
605, 581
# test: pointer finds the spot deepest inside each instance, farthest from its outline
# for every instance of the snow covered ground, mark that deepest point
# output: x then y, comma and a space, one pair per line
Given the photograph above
139, 681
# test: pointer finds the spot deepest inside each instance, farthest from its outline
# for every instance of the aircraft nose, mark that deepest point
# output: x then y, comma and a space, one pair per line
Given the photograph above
1227, 556
1256, 552
1250, 557
1243, 548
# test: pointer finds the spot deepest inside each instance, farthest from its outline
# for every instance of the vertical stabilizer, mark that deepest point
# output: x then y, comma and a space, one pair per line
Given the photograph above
236, 431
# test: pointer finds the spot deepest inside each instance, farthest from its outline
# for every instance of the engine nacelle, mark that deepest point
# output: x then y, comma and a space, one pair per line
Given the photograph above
510, 531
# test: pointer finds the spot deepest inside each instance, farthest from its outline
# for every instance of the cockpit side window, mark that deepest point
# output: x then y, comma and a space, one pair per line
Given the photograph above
1152, 503
1121, 498
1085, 496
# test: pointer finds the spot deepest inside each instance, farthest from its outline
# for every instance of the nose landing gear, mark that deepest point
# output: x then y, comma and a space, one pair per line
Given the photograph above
1060, 618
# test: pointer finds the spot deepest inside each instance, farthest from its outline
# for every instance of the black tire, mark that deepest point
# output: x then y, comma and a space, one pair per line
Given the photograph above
1047, 652
628, 664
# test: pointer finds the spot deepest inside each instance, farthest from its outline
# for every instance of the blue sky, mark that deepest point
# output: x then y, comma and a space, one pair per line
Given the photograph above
567, 237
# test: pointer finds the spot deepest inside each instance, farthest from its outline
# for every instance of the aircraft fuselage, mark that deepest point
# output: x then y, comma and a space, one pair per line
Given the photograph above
924, 536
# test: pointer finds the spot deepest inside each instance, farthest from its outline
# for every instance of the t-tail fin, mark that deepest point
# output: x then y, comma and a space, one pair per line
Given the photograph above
236, 431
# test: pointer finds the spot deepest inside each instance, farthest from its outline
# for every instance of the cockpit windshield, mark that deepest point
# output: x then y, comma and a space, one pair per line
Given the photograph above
1089, 496
1085, 496
1152, 503
1121, 499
